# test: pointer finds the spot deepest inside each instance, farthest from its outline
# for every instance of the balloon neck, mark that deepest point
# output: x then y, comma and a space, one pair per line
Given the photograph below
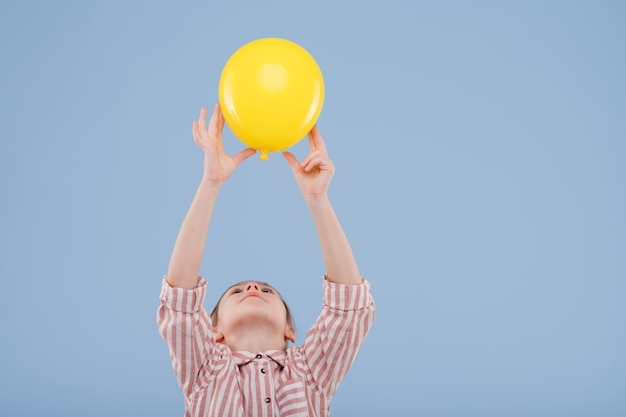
264, 154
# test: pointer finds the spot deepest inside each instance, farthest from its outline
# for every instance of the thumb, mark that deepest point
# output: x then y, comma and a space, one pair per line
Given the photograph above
243, 155
292, 161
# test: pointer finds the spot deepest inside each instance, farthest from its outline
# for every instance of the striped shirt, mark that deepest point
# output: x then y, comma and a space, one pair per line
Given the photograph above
300, 381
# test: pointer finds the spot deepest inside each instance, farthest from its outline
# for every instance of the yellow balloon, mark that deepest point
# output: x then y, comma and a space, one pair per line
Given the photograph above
271, 93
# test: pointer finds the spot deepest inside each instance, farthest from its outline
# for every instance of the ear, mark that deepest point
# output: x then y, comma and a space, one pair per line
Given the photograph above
219, 336
290, 334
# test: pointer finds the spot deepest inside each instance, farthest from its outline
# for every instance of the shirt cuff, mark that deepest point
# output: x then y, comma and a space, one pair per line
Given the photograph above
347, 297
181, 299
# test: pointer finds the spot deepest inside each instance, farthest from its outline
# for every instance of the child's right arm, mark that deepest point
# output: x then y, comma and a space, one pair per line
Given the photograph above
186, 257
182, 319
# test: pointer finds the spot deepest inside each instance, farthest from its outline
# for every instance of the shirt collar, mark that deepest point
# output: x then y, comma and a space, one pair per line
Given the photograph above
244, 357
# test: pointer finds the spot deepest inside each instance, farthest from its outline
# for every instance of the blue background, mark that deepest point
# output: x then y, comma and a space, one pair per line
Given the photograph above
480, 153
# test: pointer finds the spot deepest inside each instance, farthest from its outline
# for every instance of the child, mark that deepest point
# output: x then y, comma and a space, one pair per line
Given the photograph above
236, 362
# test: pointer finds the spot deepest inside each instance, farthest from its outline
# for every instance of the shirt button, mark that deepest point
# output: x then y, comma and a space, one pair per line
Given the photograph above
259, 356
262, 370
267, 400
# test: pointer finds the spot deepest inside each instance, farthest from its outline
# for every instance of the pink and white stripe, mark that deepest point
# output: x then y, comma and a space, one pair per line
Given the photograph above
298, 382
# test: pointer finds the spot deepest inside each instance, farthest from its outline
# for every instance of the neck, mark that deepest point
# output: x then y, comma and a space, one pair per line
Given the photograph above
254, 338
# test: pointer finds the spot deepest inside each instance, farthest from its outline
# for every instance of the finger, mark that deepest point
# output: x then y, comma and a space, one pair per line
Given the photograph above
199, 135
202, 119
314, 163
213, 123
310, 157
220, 120
316, 141
194, 131
243, 155
312, 145
312, 160
292, 161
319, 161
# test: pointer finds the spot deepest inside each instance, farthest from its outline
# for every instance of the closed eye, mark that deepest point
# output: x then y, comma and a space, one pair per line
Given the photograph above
236, 290
268, 289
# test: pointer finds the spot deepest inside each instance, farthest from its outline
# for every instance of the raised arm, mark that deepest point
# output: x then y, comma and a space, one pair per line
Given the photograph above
218, 167
313, 176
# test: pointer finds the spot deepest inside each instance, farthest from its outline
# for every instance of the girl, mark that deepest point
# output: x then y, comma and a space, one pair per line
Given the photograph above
235, 362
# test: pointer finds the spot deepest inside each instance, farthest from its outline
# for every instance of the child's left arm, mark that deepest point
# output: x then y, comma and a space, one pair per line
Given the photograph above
332, 343
313, 176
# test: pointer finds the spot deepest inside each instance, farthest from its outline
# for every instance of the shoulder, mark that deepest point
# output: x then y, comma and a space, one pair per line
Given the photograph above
348, 297
181, 299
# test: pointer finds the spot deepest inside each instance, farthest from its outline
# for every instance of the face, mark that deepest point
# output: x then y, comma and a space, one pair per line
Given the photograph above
251, 302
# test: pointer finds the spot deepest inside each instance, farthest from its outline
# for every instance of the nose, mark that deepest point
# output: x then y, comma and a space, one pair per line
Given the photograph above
252, 286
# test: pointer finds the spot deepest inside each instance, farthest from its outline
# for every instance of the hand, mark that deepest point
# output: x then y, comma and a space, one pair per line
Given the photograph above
316, 171
218, 166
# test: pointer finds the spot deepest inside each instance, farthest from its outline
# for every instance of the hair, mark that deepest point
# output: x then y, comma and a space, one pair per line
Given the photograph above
289, 317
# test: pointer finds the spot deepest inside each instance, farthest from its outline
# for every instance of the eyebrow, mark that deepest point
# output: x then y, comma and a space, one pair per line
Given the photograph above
261, 283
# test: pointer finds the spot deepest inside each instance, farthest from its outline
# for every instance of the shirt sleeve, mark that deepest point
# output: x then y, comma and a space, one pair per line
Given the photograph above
186, 327
333, 341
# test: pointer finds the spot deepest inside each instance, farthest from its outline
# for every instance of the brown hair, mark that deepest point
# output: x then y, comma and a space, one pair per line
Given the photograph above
214, 313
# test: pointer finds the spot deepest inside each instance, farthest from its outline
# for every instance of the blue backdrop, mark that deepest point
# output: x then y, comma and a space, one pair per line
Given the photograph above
480, 153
